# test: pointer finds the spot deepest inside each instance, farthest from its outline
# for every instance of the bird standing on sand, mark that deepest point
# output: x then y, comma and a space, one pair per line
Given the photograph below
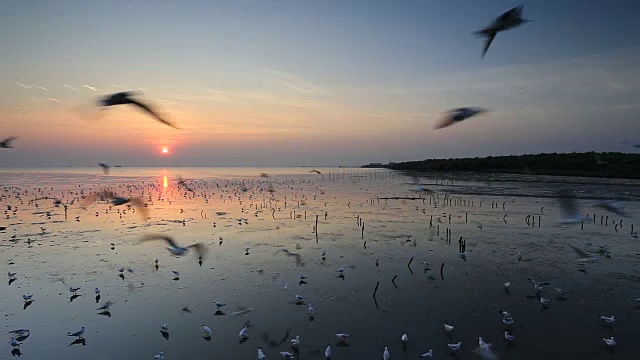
6, 143
457, 115
124, 98
508, 20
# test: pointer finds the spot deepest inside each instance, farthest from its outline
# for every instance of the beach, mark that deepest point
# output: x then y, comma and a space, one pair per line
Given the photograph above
510, 224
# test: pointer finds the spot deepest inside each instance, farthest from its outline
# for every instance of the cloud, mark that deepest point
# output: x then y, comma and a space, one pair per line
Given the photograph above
90, 87
293, 82
31, 86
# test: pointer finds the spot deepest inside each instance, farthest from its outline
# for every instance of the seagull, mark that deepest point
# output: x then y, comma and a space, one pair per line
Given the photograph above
327, 352
561, 293
483, 345
261, 355
507, 285
404, 338
569, 207
164, 328
117, 201
610, 342
537, 286
207, 331
544, 302
11, 275
385, 354
106, 306
448, 327
508, 20
455, 347
287, 355
123, 98
174, 248
97, 291
295, 341
341, 270
6, 143
15, 343
427, 355
508, 337
457, 115
218, 305
300, 299
608, 319
176, 275
78, 333
20, 332
312, 312
74, 290
159, 356
612, 206
105, 168
243, 333
27, 297
342, 338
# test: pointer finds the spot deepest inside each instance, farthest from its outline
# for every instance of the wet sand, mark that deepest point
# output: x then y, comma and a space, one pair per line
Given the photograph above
468, 294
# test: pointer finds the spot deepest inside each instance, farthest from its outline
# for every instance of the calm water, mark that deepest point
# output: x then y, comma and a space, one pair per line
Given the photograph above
269, 214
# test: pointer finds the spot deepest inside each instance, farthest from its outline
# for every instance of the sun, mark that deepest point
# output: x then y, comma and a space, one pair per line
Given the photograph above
165, 150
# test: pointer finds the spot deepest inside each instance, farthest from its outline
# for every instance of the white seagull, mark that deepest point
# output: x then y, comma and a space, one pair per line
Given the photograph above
508, 20
327, 352
206, 331
261, 355
78, 333
608, 319
385, 354
509, 337
295, 341
610, 342
455, 347
174, 248
427, 355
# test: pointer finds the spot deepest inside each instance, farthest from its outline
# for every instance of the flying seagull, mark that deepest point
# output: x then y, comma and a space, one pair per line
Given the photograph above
174, 248
613, 207
105, 168
315, 171
508, 20
116, 201
123, 98
6, 143
457, 115
569, 207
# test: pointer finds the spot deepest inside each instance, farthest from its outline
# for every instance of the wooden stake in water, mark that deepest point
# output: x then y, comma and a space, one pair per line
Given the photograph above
362, 230
317, 228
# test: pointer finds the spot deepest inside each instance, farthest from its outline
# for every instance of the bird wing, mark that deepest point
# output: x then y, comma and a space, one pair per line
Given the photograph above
568, 205
138, 203
8, 140
88, 200
488, 42
166, 238
201, 249
580, 253
148, 109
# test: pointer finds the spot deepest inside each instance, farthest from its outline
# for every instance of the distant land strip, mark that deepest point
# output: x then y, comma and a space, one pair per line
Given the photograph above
588, 164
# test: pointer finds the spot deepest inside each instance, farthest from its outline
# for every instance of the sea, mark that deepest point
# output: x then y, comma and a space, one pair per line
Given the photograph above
372, 256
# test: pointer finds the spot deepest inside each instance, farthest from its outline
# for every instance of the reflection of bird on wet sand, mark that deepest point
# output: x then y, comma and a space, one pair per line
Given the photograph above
116, 201
105, 168
174, 248
123, 98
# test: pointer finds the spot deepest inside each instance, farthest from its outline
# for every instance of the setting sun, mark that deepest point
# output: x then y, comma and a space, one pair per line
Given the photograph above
165, 150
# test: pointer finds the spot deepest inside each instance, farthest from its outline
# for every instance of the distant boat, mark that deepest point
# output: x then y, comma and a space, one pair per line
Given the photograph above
118, 166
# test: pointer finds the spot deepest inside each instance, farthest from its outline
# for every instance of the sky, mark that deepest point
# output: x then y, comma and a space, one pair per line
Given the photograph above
317, 83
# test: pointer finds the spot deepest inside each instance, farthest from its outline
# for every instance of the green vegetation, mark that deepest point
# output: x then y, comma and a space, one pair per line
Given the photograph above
592, 164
